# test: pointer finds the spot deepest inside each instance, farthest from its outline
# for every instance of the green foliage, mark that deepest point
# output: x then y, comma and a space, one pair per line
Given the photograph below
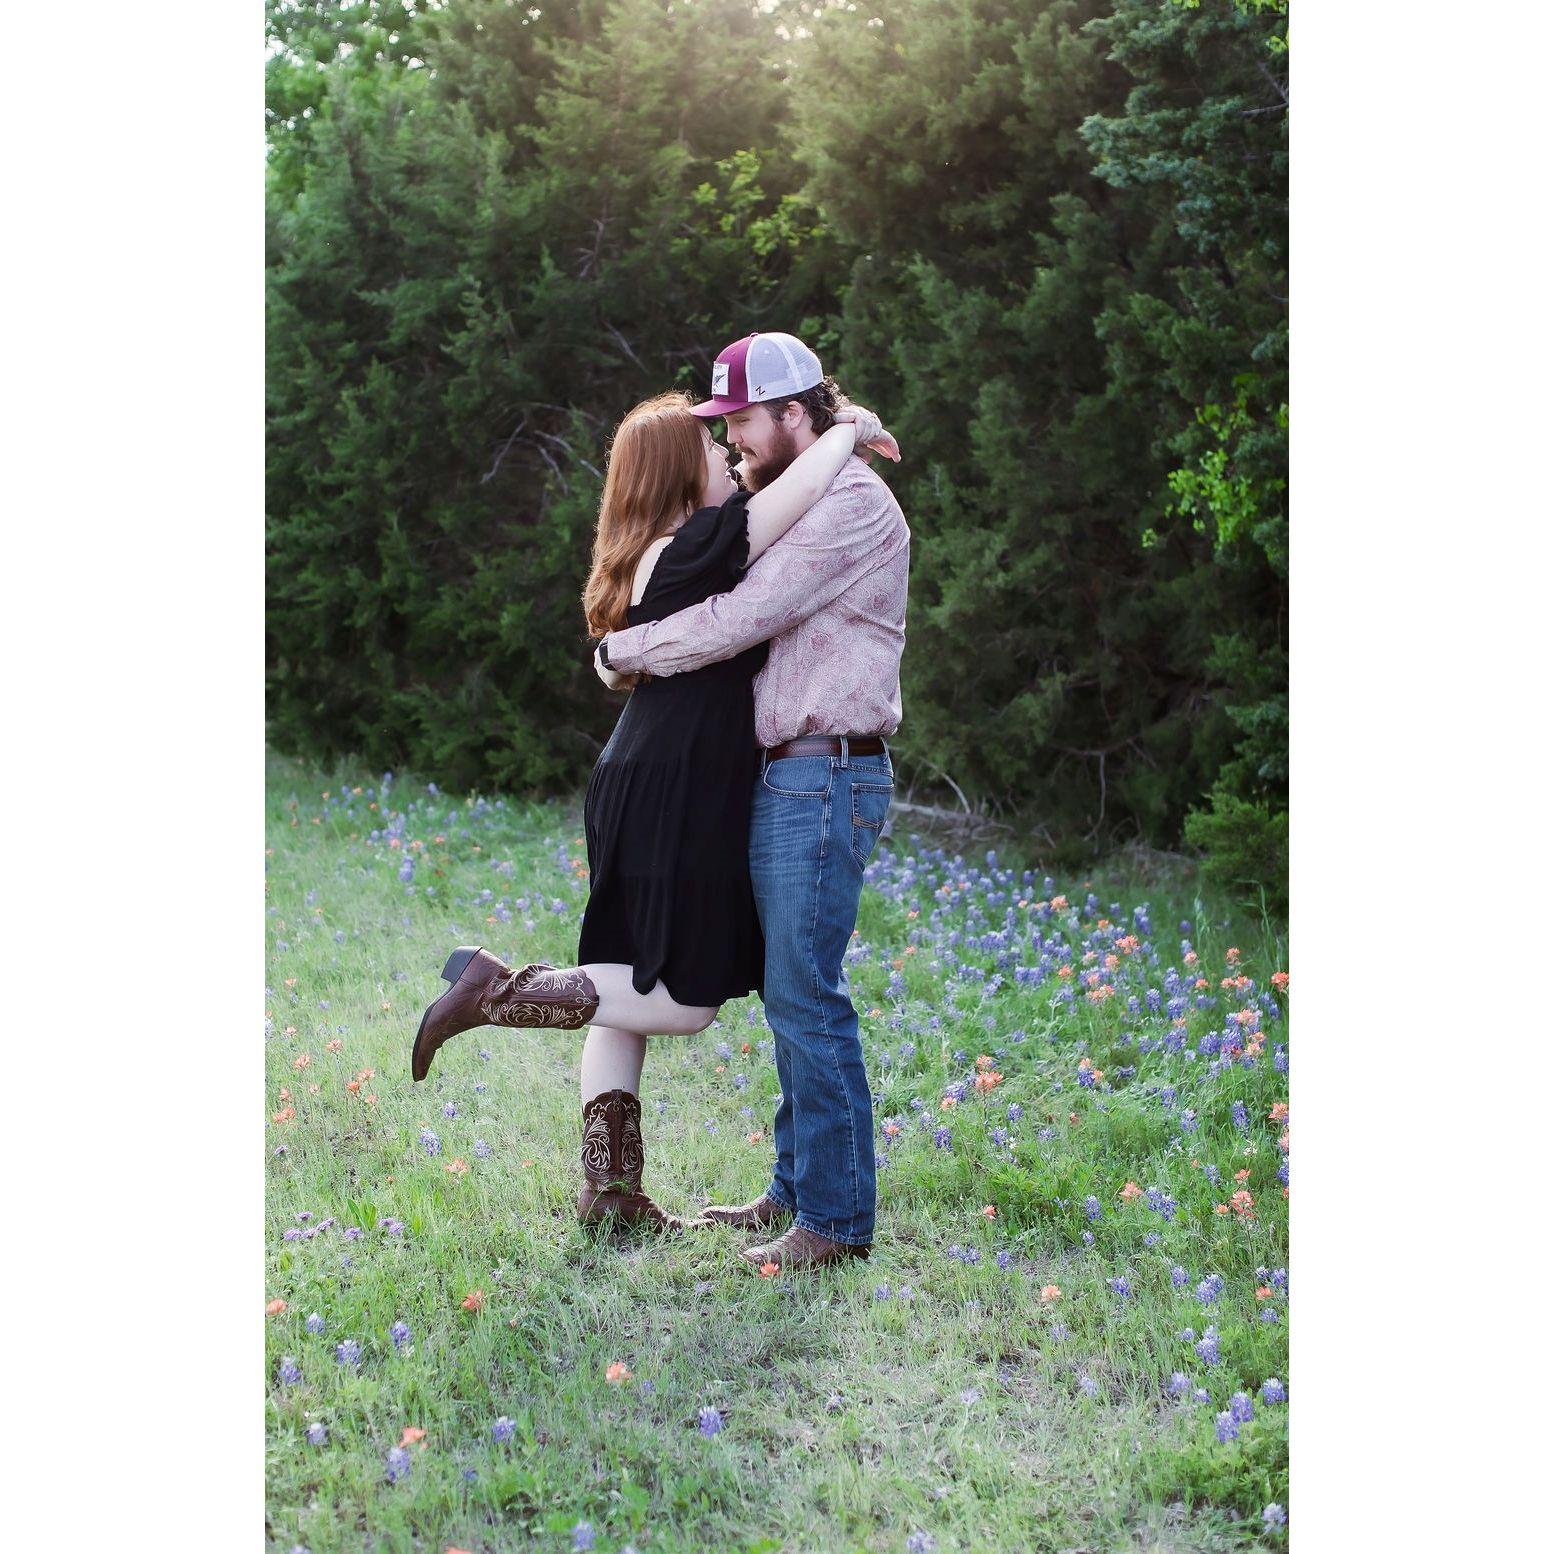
1246, 848
1046, 238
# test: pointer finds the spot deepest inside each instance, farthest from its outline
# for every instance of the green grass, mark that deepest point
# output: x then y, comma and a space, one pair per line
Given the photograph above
844, 1422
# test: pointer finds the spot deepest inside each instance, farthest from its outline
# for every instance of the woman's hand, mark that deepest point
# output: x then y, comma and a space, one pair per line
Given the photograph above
868, 433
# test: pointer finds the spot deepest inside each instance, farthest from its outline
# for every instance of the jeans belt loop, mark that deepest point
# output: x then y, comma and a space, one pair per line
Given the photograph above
843, 738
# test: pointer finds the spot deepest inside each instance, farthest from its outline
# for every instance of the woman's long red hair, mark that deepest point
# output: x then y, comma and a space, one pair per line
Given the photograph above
657, 464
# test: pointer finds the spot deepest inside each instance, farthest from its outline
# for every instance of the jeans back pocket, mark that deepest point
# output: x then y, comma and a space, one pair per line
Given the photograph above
871, 803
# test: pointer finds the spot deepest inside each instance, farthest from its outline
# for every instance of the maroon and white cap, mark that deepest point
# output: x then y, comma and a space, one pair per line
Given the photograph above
761, 366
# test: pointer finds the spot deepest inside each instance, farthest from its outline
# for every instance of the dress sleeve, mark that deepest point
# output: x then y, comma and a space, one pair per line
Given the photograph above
713, 542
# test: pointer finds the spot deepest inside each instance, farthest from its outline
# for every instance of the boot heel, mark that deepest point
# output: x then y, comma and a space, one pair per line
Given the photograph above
458, 961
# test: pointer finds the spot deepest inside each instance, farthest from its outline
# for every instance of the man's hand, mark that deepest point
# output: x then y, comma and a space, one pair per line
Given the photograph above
613, 679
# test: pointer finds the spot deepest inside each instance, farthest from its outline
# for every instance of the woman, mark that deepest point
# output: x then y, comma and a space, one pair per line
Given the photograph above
670, 931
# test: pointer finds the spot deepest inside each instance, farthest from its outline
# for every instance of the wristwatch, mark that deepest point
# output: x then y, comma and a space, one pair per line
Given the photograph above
604, 656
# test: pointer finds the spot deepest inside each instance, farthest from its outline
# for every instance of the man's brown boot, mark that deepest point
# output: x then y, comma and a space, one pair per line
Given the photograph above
797, 1247
756, 1215
487, 991
612, 1167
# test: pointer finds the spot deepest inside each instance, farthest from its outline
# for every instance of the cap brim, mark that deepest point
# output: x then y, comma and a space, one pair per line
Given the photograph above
712, 407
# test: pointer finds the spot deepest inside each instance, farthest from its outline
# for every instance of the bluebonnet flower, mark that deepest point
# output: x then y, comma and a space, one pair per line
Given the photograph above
1273, 1515
1283, 1173
1092, 1208
1000, 1135
724, 1051
1200, 1394
647, 1388
920, 1542
1212, 1173
1272, 1391
1088, 1237
906, 1052
348, 1353
1279, 1278
1207, 1292
450, 1110
502, 1430
970, 1395
1238, 1114
941, 1138
1089, 1386
1268, 1314
1178, 1384
1189, 1121
1207, 1347
391, 1226
1059, 1332
1016, 1111
1086, 1079
582, 1538
407, 871
318, 1434
709, 1421
1005, 1258
469, 1475
314, 1323
396, 1465
482, 1150
1225, 1427
289, 1374
1152, 1239
1179, 1277
430, 1142
1241, 1408
1161, 1202
1046, 1135
484, 1055
400, 1333
1168, 1096
292, 1235
353, 1233
1281, 1062
959, 1057
882, 1292
1120, 1286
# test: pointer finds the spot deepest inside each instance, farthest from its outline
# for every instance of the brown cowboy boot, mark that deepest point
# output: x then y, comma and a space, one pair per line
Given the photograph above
797, 1247
759, 1214
486, 991
612, 1167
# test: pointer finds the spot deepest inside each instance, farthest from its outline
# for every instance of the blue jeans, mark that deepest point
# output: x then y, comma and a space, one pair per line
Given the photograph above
814, 824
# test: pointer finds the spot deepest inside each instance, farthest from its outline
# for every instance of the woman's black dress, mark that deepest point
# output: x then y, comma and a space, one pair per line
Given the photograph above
667, 813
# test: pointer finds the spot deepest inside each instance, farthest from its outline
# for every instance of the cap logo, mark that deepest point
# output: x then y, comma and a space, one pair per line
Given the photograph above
720, 377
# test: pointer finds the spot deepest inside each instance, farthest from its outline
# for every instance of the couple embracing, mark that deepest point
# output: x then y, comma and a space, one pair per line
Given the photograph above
729, 818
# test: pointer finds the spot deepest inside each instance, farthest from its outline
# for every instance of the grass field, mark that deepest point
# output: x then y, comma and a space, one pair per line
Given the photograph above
1072, 1332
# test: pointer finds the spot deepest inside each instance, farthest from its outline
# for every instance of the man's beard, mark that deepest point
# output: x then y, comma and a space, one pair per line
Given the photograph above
784, 450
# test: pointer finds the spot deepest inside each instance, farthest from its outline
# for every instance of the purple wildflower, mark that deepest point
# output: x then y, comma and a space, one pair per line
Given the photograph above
1178, 1384
289, 1374
348, 1353
709, 1421
1089, 1386
482, 1150
318, 1434
430, 1142
1092, 1208
582, 1537
1273, 1515
1120, 1286
396, 1465
502, 1430
314, 1323
941, 1138
1207, 1347
1273, 1391
1179, 1277
1200, 1394
1241, 1408
1225, 1427
400, 1333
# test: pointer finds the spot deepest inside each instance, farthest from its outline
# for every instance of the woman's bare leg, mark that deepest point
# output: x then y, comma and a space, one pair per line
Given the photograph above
623, 1008
612, 1060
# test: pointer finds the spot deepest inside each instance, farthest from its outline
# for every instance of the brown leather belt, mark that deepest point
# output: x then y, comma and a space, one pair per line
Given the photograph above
829, 744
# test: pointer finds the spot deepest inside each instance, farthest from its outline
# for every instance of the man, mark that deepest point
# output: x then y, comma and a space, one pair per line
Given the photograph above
830, 596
